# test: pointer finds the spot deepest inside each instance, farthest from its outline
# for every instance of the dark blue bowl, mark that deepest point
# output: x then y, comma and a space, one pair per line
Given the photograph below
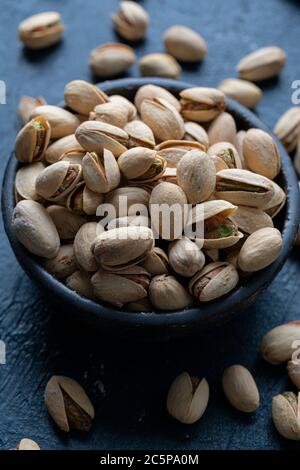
152, 326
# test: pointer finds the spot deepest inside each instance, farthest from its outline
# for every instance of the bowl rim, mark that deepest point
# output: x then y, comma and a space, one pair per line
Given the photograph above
206, 313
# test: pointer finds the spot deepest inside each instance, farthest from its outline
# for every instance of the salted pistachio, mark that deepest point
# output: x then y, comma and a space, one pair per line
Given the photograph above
64, 263
68, 404
156, 262
131, 21
126, 197
197, 133
80, 282
113, 113
261, 153
141, 164
185, 257
162, 118
214, 281
150, 92
131, 109
67, 223
32, 140
41, 30
82, 201
173, 150
95, 136
202, 104
227, 152
277, 202
297, 158
277, 345
264, 63
222, 129
243, 91
82, 96
285, 414
159, 65
250, 219
125, 221
118, 288
242, 187
260, 249
109, 60
25, 181
74, 156
101, 172
185, 44
61, 121
293, 369
83, 242
123, 247
187, 398
140, 135
240, 388
166, 293
35, 229
239, 145
196, 175
27, 444
58, 180
26, 106
142, 305
60, 146
287, 128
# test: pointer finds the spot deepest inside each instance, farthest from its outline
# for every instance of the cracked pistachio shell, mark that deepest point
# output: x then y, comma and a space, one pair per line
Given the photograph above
61, 121
140, 164
131, 21
156, 262
122, 247
140, 135
25, 181
187, 398
166, 293
118, 288
227, 152
27, 444
41, 30
243, 91
151, 92
82, 96
185, 257
95, 136
83, 245
159, 65
287, 128
124, 198
34, 228
170, 175
113, 113
285, 414
293, 369
173, 150
67, 223
68, 404
239, 145
262, 64
32, 140
162, 118
250, 219
243, 187
277, 202
196, 175
185, 44
58, 180
80, 282
197, 133
60, 146
202, 104
240, 388
26, 106
222, 129
277, 345
260, 249
219, 163
101, 172
73, 156
261, 153
214, 281
131, 109
142, 305
81, 200
64, 263
109, 60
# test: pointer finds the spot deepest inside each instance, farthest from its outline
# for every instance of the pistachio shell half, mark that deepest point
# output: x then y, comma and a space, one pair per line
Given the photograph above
202, 104
82, 96
101, 173
58, 180
95, 136
140, 164
162, 118
32, 140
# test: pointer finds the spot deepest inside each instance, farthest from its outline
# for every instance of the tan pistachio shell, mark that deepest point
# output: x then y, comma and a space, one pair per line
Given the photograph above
25, 181
61, 121
32, 140
140, 135
197, 133
67, 223
185, 257
240, 388
250, 219
83, 246
58, 180
73, 156
156, 262
277, 345
82, 96
162, 118
222, 129
125, 197
131, 109
287, 128
27, 104
109, 60
227, 152
64, 263
60, 146
140, 164
185, 44
41, 30
261, 153
243, 91
166, 293
91, 201
264, 63
239, 145
101, 173
113, 113
80, 282
95, 136
173, 150
202, 104
260, 249
131, 21
153, 91
285, 414
159, 65
277, 202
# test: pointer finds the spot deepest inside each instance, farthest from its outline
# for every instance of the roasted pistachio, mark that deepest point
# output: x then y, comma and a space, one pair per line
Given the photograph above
26, 106
197, 133
214, 281
82, 201
162, 118
80, 282
261, 153
131, 109
156, 262
243, 91
64, 264
202, 104
57, 180
240, 388
82, 96
166, 293
184, 44
131, 21
227, 152
250, 219
173, 150
222, 129
185, 257
150, 92
159, 65
109, 60
260, 249
277, 202
113, 113
83, 246
262, 64
140, 135
287, 128
32, 140
126, 197
285, 414
277, 344
66, 223
41, 30
60, 146
101, 173
25, 181
61, 121
140, 164
95, 136
73, 156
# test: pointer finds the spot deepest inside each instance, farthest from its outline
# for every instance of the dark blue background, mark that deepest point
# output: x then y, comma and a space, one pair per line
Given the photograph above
128, 382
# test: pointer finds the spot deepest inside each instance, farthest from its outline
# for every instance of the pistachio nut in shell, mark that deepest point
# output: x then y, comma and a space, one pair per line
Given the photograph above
61, 121
82, 201
140, 135
202, 104
293, 370
67, 223
261, 153
130, 195
41, 30
56, 149
285, 414
240, 388
25, 181
35, 229
101, 172
27, 104
150, 92
162, 118
197, 133
109, 60
243, 91
227, 152
185, 44
131, 109
214, 281
156, 262
239, 145
73, 156
277, 344
262, 64
82, 96
83, 246
131, 21
250, 219
287, 128
57, 180
173, 150
187, 398
260, 249
222, 129
80, 282
159, 65
185, 257
32, 140
277, 202
68, 404
95, 136
27, 444
112, 113
140, 164
166, 293
64, 263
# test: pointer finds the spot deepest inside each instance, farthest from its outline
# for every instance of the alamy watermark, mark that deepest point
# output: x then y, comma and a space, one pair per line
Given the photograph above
296, 94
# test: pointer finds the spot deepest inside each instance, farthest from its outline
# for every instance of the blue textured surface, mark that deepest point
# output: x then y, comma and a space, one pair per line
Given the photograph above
128, 382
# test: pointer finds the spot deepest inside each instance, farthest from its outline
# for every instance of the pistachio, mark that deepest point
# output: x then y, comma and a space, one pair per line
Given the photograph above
131, 109
223, 128
250, 219
214, 281
95, 136
187, 398
184, 44
260, 249
226, 152
57, 180
41, 30
140, 135
151, 92
197, 133
60, 146
113, 113
68, 404
131, 195
240, 388
35, 230
26, 106
140, 164
243, 91
202, 104
287, 128
82, 96
285, 414
64, 264
277, 344
166, 293
156, 262
80, 282
27, 444
32, 140
25, 181
185, 257
262, 64
159, 65
61, 121
162, 118
101, 173
81, 200
277, 202
293, 369
261, 153
66, 223
83, 242
239, 145
74, 156
131, 21
109, 60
